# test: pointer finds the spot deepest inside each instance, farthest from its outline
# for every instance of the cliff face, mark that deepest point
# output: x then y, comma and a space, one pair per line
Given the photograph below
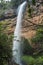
29, 25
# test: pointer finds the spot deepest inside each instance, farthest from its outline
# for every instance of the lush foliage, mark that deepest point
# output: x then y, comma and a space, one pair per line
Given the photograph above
27, 47
30, 11
38, 37
30, 60
36, 59
33, 2
5, 47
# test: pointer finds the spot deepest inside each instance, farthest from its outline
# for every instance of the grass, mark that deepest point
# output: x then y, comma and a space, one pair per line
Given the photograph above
31, 60
28, 59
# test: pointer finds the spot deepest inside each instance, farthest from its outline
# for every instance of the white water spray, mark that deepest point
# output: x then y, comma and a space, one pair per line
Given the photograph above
17, 35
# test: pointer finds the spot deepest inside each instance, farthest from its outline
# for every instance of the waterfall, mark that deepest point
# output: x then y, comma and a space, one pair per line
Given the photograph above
17, 35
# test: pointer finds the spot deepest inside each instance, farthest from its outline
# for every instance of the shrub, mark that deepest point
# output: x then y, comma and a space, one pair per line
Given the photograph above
39, 36
29, 11
38, 39
33, 2
27, 47
30, 60
39, 61
5, 47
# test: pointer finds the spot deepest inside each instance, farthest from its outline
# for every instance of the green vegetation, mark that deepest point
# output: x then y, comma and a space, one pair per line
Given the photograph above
30, 60
38, 39
33, 2
15, 3
30, 55
5, 47
27, 47
29, 11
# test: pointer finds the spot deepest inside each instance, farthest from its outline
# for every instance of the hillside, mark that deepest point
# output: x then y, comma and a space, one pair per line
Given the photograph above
29, 25
32, 35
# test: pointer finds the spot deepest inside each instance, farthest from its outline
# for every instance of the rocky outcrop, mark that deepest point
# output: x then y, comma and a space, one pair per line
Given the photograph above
29, 25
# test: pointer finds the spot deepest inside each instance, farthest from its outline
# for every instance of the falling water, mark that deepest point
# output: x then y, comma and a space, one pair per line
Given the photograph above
17, 35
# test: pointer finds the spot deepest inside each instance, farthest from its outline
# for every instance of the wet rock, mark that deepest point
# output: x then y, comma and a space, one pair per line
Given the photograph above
23, 63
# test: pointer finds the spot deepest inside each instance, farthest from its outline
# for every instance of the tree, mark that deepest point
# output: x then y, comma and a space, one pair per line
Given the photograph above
3, 4
38, 39
27, 48
33, 2
16, 3
5, 47
39, 36
30, 11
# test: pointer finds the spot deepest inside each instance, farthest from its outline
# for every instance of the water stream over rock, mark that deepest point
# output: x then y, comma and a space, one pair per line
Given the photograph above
17, 35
